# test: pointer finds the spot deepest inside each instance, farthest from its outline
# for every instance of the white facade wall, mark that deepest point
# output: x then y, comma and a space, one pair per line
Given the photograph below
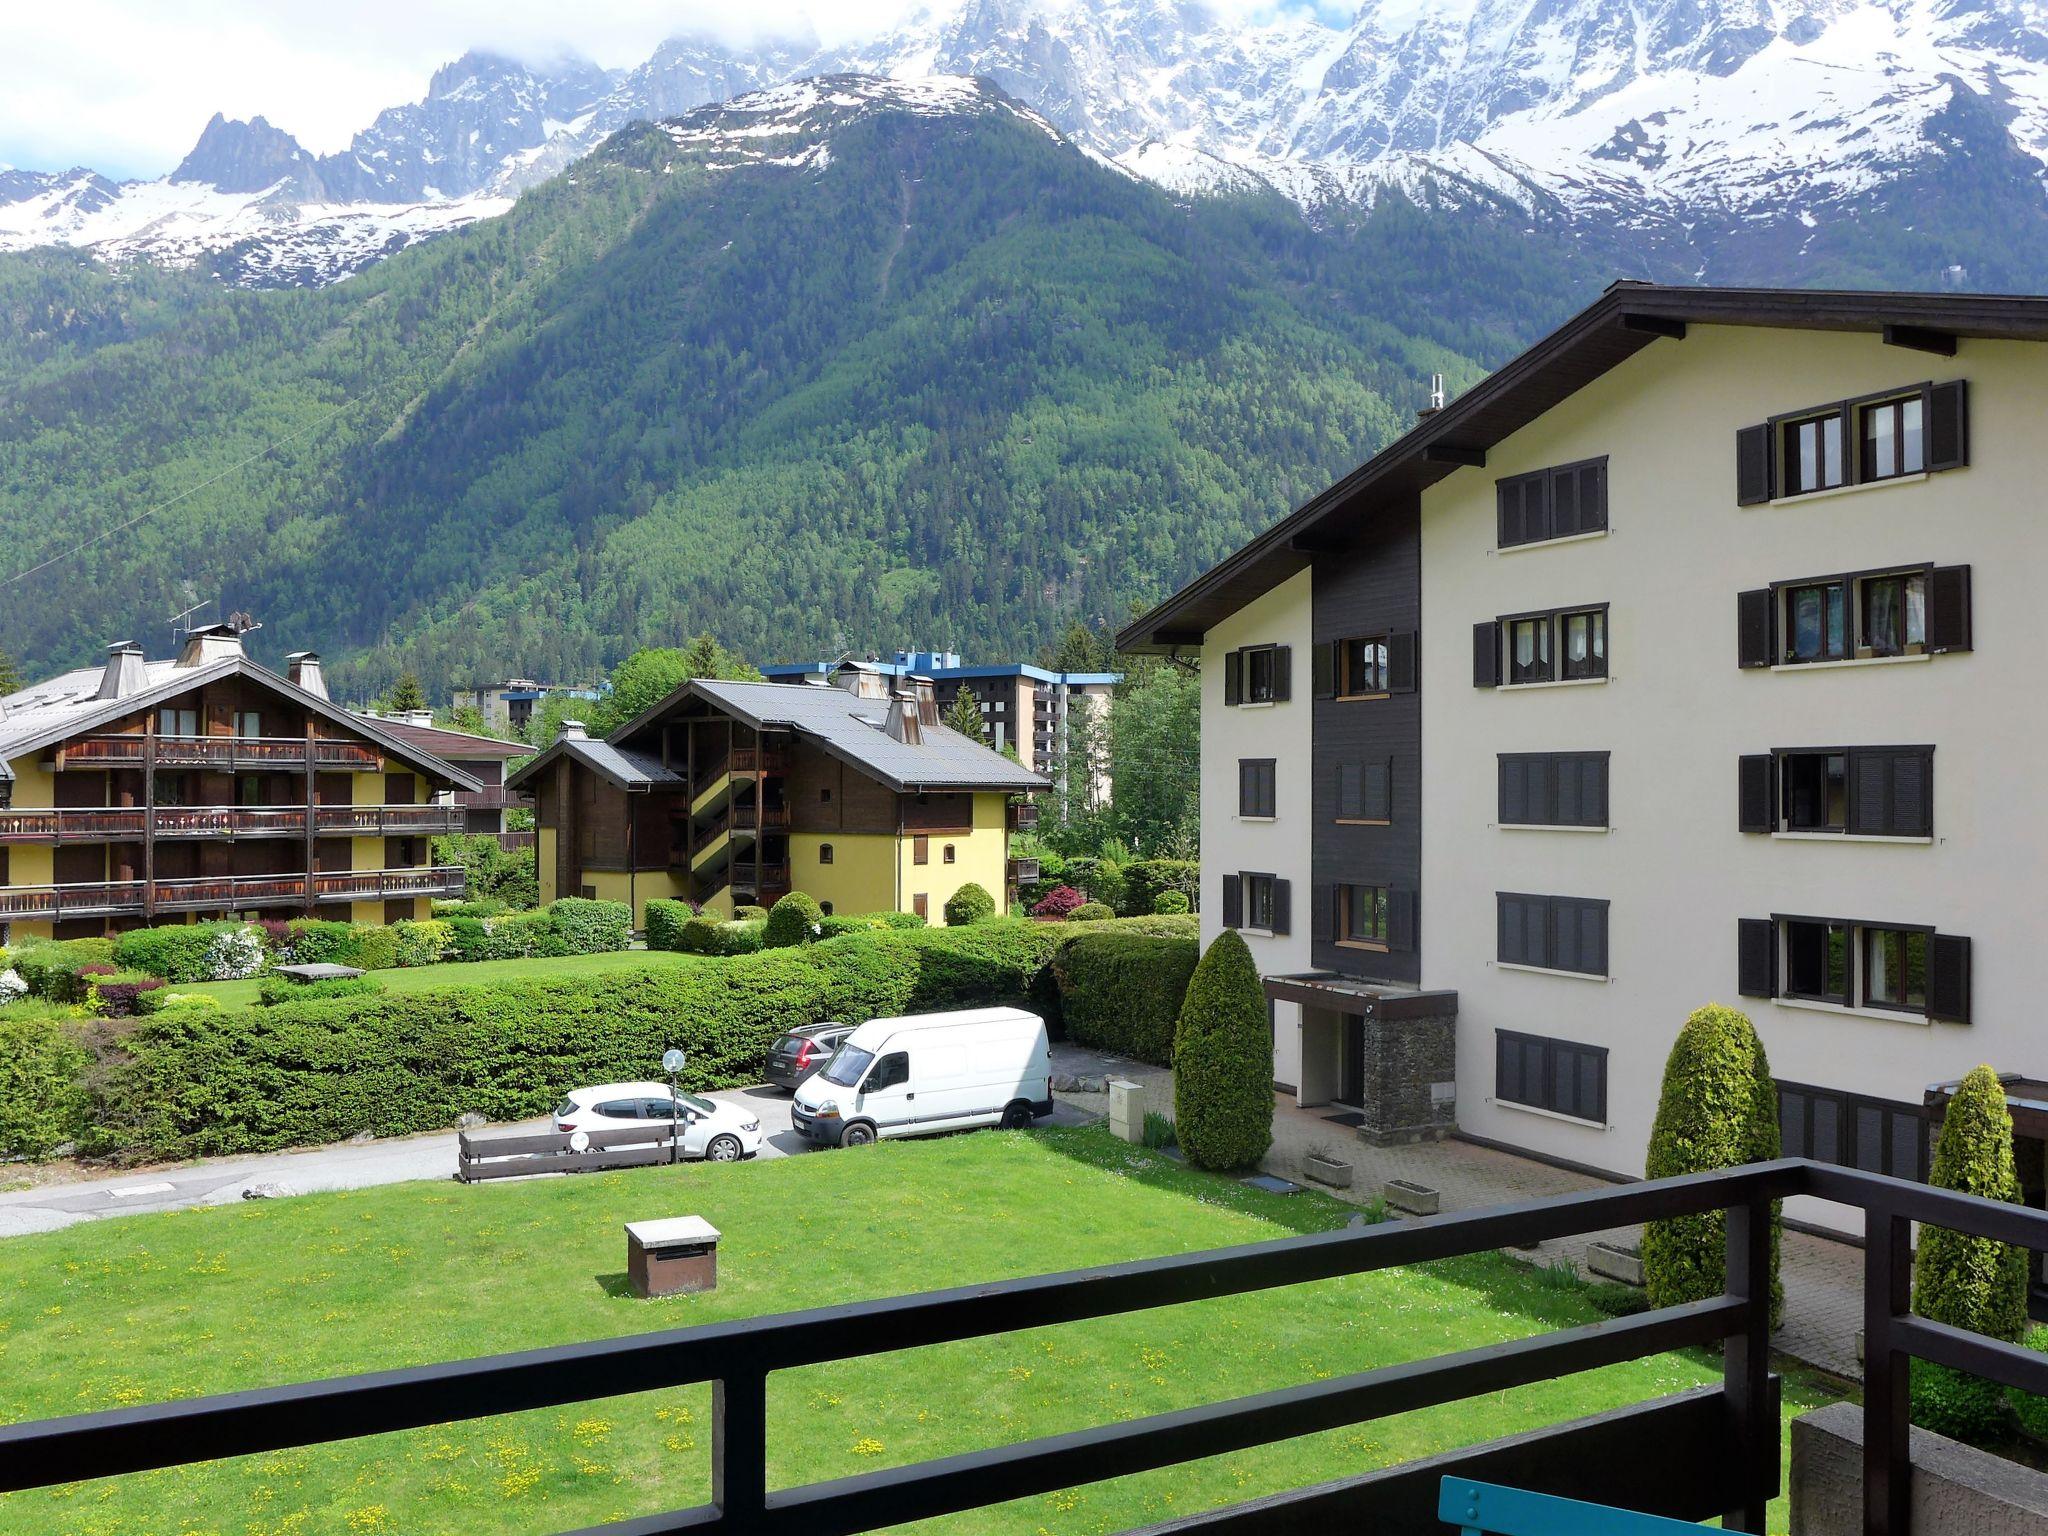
1280, 846
1677, 712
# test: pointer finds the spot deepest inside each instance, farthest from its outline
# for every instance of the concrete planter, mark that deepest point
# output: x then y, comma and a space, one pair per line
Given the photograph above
1415, 1199
1614, 1261
1327, 1170
1955, 1487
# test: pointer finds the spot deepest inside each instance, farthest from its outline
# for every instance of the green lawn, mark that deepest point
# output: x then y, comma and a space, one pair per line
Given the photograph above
145, 1308
429, 978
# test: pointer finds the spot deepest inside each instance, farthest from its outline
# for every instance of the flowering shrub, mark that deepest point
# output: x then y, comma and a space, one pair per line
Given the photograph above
11, 987
234, 954
1058, 902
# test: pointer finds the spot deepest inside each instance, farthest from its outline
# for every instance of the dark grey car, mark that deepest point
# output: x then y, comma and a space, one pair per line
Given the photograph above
796, 1055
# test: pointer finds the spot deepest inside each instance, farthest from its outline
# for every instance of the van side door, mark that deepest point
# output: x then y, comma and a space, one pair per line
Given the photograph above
887, 1095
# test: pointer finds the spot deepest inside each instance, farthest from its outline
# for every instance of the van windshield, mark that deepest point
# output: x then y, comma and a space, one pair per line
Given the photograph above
847, 1065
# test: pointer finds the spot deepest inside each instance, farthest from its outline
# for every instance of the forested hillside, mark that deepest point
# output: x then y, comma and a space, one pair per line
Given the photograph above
931, 377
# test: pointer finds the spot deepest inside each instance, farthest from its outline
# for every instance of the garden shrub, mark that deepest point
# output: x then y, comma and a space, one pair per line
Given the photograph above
1223, 1061
469, 940
1719, 1109
522, 936
832, 925
970, 904
177, 952
1090, 912
311, 1070
1122, 991
1969, 1282
114, 995
795, 919
273, 990
51, 967
665, 920
427, 942
749, 914
12, 988
2031, 1408
164, 999
705, 934
43, 1099
320, 941
1167, 902
1058, 902
238, 951
592, 927
1146, 880
487, 907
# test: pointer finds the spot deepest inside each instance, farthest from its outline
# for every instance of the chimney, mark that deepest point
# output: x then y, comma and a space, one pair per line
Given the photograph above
920, 690
302, 669
415, 717
125, 673
571, 730
903, 723
210, 643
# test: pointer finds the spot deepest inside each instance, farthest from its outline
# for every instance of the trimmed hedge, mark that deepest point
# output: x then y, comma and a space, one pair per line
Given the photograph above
834, 924
795, 919
1719, 1109
1146, 880
274, 990
174, 953
970, 904
1171, 902
52, 968
749, 914
1122, 992
665, 920
1090, 912
187, 1084
43, 1098
592, 927
1968, 1282
706, 935
1223, 1061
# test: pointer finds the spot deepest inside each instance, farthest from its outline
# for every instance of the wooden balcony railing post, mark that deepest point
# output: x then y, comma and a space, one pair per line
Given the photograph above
1746, 1363
1887, 1375
739, 1448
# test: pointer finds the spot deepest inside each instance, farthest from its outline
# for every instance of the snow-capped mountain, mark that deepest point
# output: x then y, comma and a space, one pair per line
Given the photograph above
1691, 122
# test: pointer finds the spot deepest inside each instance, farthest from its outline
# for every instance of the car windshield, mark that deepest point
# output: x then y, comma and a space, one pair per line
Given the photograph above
847, 1065
697, 1106
565, 1109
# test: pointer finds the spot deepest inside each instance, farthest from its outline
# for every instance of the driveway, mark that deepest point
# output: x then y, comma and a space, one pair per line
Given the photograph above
346, 1165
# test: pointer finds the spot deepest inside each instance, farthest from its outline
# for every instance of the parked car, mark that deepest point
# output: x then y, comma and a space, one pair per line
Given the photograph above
796, 1055
926, 1073
720, 1133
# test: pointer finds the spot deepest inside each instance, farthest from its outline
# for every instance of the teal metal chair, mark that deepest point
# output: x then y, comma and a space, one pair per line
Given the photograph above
1487, 1509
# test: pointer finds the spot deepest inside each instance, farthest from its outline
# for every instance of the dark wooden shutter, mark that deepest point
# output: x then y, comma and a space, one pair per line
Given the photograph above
1756, 957
1948, 608
1322, 902
1948, 425
1401, 661
1376, 790
1593, 789
1350, 792
1870, 791
1911, 793
1233, 900
1400, 920
1754, 479
1592, 497
1283, 673
1233, 677
1326, 669
1283, 905
1540, 772
1564, 502
1245, 795
1486, 654
1758, 796
1948, 978
1514, 790
1755, 642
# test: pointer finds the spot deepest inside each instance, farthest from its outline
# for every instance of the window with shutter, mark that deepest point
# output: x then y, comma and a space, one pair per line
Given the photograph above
1890, 791
1556, 503
1486, 654
1948, 978
1553, 789
1754, 624
1948, 608
1376, 790
1400, 920
1876, 1135
1948, 425
1756, 957
1233, 677
1552, 933
1758, 795
1281, 912
1283, 673
1401, 661
1561, 1076
1233, 901
1326, 669
1256, 785
1754, 463
1921, 428
1351, 792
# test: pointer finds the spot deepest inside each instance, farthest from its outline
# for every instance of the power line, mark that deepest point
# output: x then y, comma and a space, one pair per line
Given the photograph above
189, 490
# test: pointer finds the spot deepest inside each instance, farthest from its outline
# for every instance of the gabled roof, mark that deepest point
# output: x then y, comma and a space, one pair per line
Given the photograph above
634, 772
849, 728
44, 714
1621, 322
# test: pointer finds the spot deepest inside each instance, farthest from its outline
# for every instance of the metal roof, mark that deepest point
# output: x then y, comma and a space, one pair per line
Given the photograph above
634, 772
1621, 322
451, 745
44, 714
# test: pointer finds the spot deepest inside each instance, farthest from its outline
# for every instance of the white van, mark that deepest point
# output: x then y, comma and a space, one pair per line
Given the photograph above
929, 1072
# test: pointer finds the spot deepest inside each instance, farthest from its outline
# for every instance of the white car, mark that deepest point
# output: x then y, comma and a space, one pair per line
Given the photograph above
720, 1133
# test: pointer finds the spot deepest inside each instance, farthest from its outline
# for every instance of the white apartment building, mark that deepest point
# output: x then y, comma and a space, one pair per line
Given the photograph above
1675, 663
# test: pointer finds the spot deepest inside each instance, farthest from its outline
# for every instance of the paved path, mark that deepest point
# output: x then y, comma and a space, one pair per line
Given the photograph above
1823, 1279
348, 1165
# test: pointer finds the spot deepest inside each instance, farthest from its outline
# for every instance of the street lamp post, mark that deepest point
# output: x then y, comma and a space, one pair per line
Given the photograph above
672, 1062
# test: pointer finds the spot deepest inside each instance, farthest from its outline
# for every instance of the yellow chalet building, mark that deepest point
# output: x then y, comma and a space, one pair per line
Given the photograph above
732, 794
145, 792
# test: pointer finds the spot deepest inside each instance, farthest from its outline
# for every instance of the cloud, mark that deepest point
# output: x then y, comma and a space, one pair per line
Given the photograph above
125, 86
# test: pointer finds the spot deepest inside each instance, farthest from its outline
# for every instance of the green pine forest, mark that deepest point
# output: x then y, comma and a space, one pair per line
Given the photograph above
959, 387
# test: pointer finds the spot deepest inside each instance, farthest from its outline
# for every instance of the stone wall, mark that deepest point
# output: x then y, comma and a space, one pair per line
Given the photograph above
1411, 1066
1958, 1490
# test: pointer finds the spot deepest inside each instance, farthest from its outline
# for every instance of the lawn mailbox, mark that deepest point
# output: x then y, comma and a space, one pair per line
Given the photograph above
673, 1257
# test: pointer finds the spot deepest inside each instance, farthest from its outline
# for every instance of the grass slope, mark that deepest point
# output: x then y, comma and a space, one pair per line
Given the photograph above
147, 1308
429, 978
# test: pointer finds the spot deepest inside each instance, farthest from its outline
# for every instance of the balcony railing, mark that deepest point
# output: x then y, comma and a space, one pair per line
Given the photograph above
755, 760
68, 825
1023, 816
226, 752
225, 893
492, 797
1691, 1456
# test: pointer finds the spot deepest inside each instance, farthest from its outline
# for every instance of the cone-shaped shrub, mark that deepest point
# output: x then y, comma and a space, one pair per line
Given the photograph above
1969, 1282
970, 904
1223, 1061
1719, 1109
792, 920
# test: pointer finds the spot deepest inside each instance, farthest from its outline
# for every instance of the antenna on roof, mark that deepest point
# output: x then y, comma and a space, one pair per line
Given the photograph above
1436, 398
181, 623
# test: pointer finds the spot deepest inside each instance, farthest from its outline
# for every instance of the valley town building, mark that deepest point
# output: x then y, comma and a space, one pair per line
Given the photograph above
1679, 661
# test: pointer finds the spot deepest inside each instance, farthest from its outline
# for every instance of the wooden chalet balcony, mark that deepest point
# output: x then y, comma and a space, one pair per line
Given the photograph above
755, 760
69, 825
223, 893
224, 752
492, 797
1023, 816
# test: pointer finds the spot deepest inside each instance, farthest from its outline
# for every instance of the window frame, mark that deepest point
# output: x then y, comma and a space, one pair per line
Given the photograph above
1551, 626
1854, 760
1785, 757
1595, 664
1256, 882
1782, 428
1545, 482
1349, 897
1851, 413
1855, 613
1254, 774
1553, 793
1866, 442
1847, 1105
1865, 935
1552, 907
1349, 690
1250, 656
1843, 999
1548, 1048
1545, 624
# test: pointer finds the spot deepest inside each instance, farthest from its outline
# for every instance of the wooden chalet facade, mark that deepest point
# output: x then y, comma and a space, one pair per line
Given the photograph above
147, 792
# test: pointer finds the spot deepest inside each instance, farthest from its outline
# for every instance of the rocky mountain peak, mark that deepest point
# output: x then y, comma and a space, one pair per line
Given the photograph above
234, 156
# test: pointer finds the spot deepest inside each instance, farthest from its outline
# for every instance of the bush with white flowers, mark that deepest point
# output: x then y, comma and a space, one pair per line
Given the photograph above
11, 987
234, 954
